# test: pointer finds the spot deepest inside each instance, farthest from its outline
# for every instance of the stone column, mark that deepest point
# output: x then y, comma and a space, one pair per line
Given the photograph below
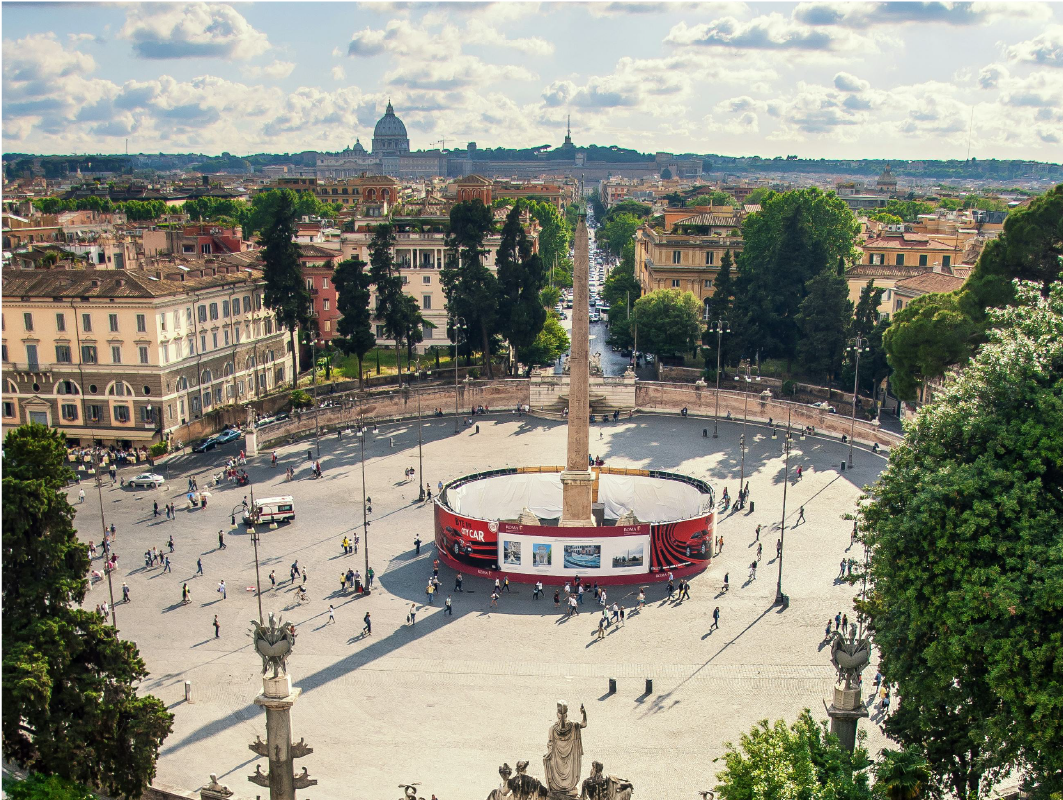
846, 710
277, 698
577, 479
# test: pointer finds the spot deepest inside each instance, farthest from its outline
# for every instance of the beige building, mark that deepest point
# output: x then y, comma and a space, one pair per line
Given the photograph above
687, 262
910, 250
129, 356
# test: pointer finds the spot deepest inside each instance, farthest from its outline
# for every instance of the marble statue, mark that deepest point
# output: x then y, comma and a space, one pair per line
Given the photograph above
523, 786
502, 792
605, 787
564, 753
273, 643
849, 657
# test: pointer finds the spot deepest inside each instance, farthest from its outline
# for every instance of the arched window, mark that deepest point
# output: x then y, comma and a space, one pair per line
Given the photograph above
12, 387
370, 194
67, 387
206, 377
250, 363
385, 194
227, 370
269, 356
182, 384
120, 389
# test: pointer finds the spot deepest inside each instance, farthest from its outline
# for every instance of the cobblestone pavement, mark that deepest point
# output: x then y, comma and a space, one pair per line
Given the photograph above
446, 701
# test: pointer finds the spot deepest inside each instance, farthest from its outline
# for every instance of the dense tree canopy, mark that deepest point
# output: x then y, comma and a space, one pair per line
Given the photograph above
551, 343
866, 323
470, 288
799, 762
617, 231
521, 276
966, 570
668, 321
621, 288
70, 702
286, 293
823, 319
355, 325
793, 238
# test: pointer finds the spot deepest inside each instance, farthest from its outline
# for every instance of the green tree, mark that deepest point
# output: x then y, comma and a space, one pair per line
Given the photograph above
901, 775
823, 320
390, 308
886, 219
285, 293
617, 231
908, 210
926, 337
790, 240
355, 325
668, 320
873, 364
758, 196
549, 296
412, 324
46, 787
714, 198
470, 288
551, 343
620, 290
966, 568
554, 238
776, 762
719, 308
70, 702
520, 279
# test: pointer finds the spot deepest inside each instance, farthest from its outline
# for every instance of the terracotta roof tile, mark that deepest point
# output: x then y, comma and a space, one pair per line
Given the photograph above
885, 271
930, 283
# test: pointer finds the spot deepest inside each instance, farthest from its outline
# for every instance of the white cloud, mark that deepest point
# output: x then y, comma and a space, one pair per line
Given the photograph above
845, 82
862, 14
1045, 49
626, 7
338, 73
480, 33
278, 70
769, 32
192, 30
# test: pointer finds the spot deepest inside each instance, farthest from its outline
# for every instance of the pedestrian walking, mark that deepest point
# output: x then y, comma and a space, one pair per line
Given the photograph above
757, 538
272, 579
801, 515
169, 544
448, 607
369, 576
845, 622
753, 571
827, 632
331, 615
167, 567
217, 627
641, 599
537, 590
125, 593
715, 618
505, 584
273, 459
841, 568
601, 628
671, 588
457, 582
428, 591
368, 629
685, 595
572, 606
760, 549
221, 540
186, 595
799, 472
412, 616
199, 566
557, 598
417, 545
305, 576
837, 620
221, 588
494, 598
155, 509
81, 495
579, 593
778, 547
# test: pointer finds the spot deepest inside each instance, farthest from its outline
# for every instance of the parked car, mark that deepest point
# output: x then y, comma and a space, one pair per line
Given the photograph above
203, 445
825, 407
227, 436
146, 479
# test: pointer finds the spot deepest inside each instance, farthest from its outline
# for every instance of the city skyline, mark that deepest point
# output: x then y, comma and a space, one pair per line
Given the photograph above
843, 80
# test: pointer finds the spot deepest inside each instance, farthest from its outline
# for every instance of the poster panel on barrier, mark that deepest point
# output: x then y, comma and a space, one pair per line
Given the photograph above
570, 556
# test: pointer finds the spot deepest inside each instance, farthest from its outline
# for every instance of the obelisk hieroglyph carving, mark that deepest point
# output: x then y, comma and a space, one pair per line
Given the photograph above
577, 479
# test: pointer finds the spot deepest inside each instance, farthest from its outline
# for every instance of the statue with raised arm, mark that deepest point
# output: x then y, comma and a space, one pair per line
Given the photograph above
564, 753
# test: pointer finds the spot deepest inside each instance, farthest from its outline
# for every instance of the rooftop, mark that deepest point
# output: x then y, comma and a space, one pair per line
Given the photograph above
122, 283
930, 283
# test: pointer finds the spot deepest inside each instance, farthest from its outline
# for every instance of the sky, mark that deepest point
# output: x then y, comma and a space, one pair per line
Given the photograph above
903, 80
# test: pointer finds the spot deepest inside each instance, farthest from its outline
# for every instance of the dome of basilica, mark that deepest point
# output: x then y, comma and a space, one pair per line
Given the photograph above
389, 136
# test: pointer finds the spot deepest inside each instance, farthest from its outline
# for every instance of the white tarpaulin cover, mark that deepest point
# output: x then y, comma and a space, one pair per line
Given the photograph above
505, 496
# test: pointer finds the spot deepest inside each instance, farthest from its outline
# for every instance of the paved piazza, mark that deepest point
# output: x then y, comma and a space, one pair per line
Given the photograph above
445, 702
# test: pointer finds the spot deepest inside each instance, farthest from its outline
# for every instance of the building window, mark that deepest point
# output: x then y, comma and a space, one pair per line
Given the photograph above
325, 306
195, 405
165, 351
121, 413
710, 258
60, 322
328, 325
426, 302
62, 354
677, 256
66, 387
426, 279
258, 302
112, 322
201, 312
162, 321
94, 413
142, 323
923, 260
4, 352
405, 280
86, 323
213, 310
202, 342
675, 283
946, 261
28, 319
214, 336
225, 336
309, 284
708, 283
247, 304
88, 353
426, 332
178, 349
900, 259
380, 334
236, 333
877, 259
143, 354
225, 309
324, 283
9, 409
146, 414
69, 411
188, 315
116, 354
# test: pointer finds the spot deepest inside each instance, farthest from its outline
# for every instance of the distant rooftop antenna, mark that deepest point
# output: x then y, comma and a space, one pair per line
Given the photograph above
970, 131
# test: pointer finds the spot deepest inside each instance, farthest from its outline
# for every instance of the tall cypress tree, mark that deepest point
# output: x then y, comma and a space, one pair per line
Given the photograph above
355, 324
286, 293
385, 276
719, 308
70, 702
470, 288
521, 277
823, 321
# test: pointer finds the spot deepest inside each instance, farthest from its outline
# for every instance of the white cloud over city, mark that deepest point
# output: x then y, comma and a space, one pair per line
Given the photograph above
908, 80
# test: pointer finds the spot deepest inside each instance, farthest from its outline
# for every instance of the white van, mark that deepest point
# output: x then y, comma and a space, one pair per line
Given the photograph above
271, 509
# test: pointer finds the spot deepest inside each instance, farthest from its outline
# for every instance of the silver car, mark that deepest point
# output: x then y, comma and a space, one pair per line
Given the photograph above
147, 480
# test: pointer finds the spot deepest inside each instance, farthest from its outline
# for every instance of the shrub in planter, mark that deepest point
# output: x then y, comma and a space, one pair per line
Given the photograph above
301, 399
159, 449
788, 388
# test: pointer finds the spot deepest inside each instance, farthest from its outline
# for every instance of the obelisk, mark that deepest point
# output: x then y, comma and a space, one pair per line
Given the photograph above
577, 478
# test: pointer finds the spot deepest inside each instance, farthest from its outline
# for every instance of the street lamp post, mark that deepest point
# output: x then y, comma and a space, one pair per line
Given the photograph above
857, 345
420, 454
782, 531
317, 429
103, 522
721, 329
366, 507
258, 578
457, 422
745, 420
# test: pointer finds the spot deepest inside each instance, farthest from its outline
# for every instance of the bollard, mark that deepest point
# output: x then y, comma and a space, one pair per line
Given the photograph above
649, 686
612, 686
188, 692
704, 433
477, 428
392, 440
843, 466
750, 506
